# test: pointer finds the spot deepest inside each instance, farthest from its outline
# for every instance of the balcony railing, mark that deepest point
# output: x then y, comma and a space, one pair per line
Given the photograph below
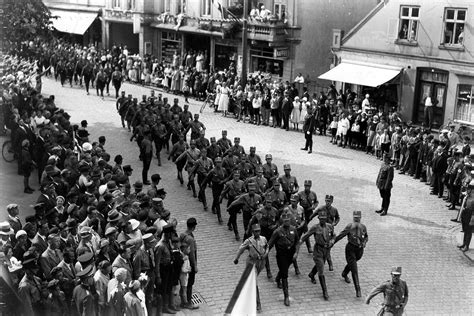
271, 31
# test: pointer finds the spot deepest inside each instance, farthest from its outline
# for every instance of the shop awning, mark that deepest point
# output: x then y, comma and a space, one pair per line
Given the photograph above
72, 22
371, 75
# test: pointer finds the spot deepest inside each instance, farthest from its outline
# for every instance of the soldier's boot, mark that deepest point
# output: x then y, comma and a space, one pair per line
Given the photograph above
308, 245
166, 308
285, 292
322, 280
158, 156
278, 280
219, 215
159, 305
193, 187
355, 278
345, 277
295, 264
331, 268
259, 306
267, 267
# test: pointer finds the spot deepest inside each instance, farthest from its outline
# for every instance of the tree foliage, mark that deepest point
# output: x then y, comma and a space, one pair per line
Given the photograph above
26, 21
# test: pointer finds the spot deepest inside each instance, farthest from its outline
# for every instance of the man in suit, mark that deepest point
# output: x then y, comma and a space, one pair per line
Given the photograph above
51, 257
440, 165
39, 241
47, 197
384, 184
69, 273
123, 261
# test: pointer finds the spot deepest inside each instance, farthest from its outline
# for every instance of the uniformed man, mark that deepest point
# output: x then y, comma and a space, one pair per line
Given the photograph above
217, 177
202, 142
384, 184
159, 137
190, 155
296, 213
289, 184
83, 296
230, 162
285, 239
260, 181
123, 110
196, 127
254, 160
147, 155
267, 218
176, 151
247, 203
202, 167
214, 149
324, 239
270, 170
309, 201
333, 219
163, 268
224, 143
257, 247
277, 196
120, 101
395, 294
237, 149
357, 238
232, 189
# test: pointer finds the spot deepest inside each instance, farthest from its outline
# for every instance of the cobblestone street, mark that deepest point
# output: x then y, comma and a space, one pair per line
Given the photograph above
417, 234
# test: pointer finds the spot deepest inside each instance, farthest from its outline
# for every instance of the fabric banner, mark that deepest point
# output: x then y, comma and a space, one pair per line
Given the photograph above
244, 299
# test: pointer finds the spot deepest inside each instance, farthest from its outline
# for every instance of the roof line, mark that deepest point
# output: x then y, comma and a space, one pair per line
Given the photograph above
362, 22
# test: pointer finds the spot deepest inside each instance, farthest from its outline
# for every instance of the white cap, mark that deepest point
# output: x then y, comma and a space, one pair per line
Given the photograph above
19, 233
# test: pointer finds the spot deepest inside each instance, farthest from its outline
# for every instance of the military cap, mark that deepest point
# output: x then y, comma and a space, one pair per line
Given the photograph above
212, 139
237, 172
84, 273
322, 214
286, 167
52, 284
285, 216
276, 183
127, 168
357, 214
269, 198
268, 156
308, 182
294, 197
397, 270
256, 227
329, 197
157, 200
147, 237
252, 185
224, 132
218, 159
236, 139
138, 184
155, 177
11, 207
252, 148
191, 221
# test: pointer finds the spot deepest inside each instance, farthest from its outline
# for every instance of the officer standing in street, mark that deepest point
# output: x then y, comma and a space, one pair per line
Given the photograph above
333, 219
257, 247
357, 238
285, 239
309, 201
395, 294
384, 184
324, 240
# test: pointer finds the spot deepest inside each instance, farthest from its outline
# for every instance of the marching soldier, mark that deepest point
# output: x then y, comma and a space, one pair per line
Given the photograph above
257, 247
259, 180
230, 162
296, 213
395, 294
217, 177
270, 170
277, 196
214, 149
309, 201
324, 239
237, 149
248, 203
289, 184
357, 238
202, 167
224, 143
285, 240
232, 189
159, 137
191, 155
333, 219
254, 160
196, 127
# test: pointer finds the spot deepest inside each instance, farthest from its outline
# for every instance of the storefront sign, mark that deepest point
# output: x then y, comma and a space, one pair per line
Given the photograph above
281, 52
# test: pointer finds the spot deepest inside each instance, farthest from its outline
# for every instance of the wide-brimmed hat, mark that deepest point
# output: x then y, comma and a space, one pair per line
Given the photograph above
134, 223
5, 228
114, 216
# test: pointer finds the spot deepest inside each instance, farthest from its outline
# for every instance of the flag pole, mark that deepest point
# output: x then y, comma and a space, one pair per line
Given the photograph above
243, 74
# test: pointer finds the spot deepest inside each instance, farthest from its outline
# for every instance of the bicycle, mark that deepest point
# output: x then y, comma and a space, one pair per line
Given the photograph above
209, 101
8, 153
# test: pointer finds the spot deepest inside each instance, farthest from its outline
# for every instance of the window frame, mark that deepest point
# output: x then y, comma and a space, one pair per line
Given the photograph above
454, 41
470, 106
278, 12
411, 20
116, 4
206, 8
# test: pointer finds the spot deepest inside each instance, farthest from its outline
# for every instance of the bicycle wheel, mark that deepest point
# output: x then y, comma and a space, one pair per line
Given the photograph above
203, 106
7, 151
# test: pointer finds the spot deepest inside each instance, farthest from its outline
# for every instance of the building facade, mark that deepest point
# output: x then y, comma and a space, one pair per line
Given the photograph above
404, 51
78, 21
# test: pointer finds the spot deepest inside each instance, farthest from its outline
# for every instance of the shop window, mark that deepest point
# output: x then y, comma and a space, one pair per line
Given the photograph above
454, 22
464, 110
206, 6
409, 20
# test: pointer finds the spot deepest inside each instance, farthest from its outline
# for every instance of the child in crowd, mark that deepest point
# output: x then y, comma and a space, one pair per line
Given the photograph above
186, 90
333, 128
177, 262
185, 269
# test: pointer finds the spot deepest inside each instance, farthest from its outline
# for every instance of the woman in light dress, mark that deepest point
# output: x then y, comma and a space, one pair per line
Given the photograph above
200, 62
224, 99
296, 113
218, 95
304, 109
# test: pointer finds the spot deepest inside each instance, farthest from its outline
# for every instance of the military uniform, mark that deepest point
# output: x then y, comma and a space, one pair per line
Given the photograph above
260, 182
270, 170
237, 149
224, 143
214, 150
289, 184
248, 204
357, 238
202, 168
324, 239
217, 177
384, 184
254, 160
285, 240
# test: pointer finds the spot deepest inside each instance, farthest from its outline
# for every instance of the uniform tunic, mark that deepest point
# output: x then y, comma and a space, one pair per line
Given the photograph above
323, 234
394, 295
285, 241
256, 248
